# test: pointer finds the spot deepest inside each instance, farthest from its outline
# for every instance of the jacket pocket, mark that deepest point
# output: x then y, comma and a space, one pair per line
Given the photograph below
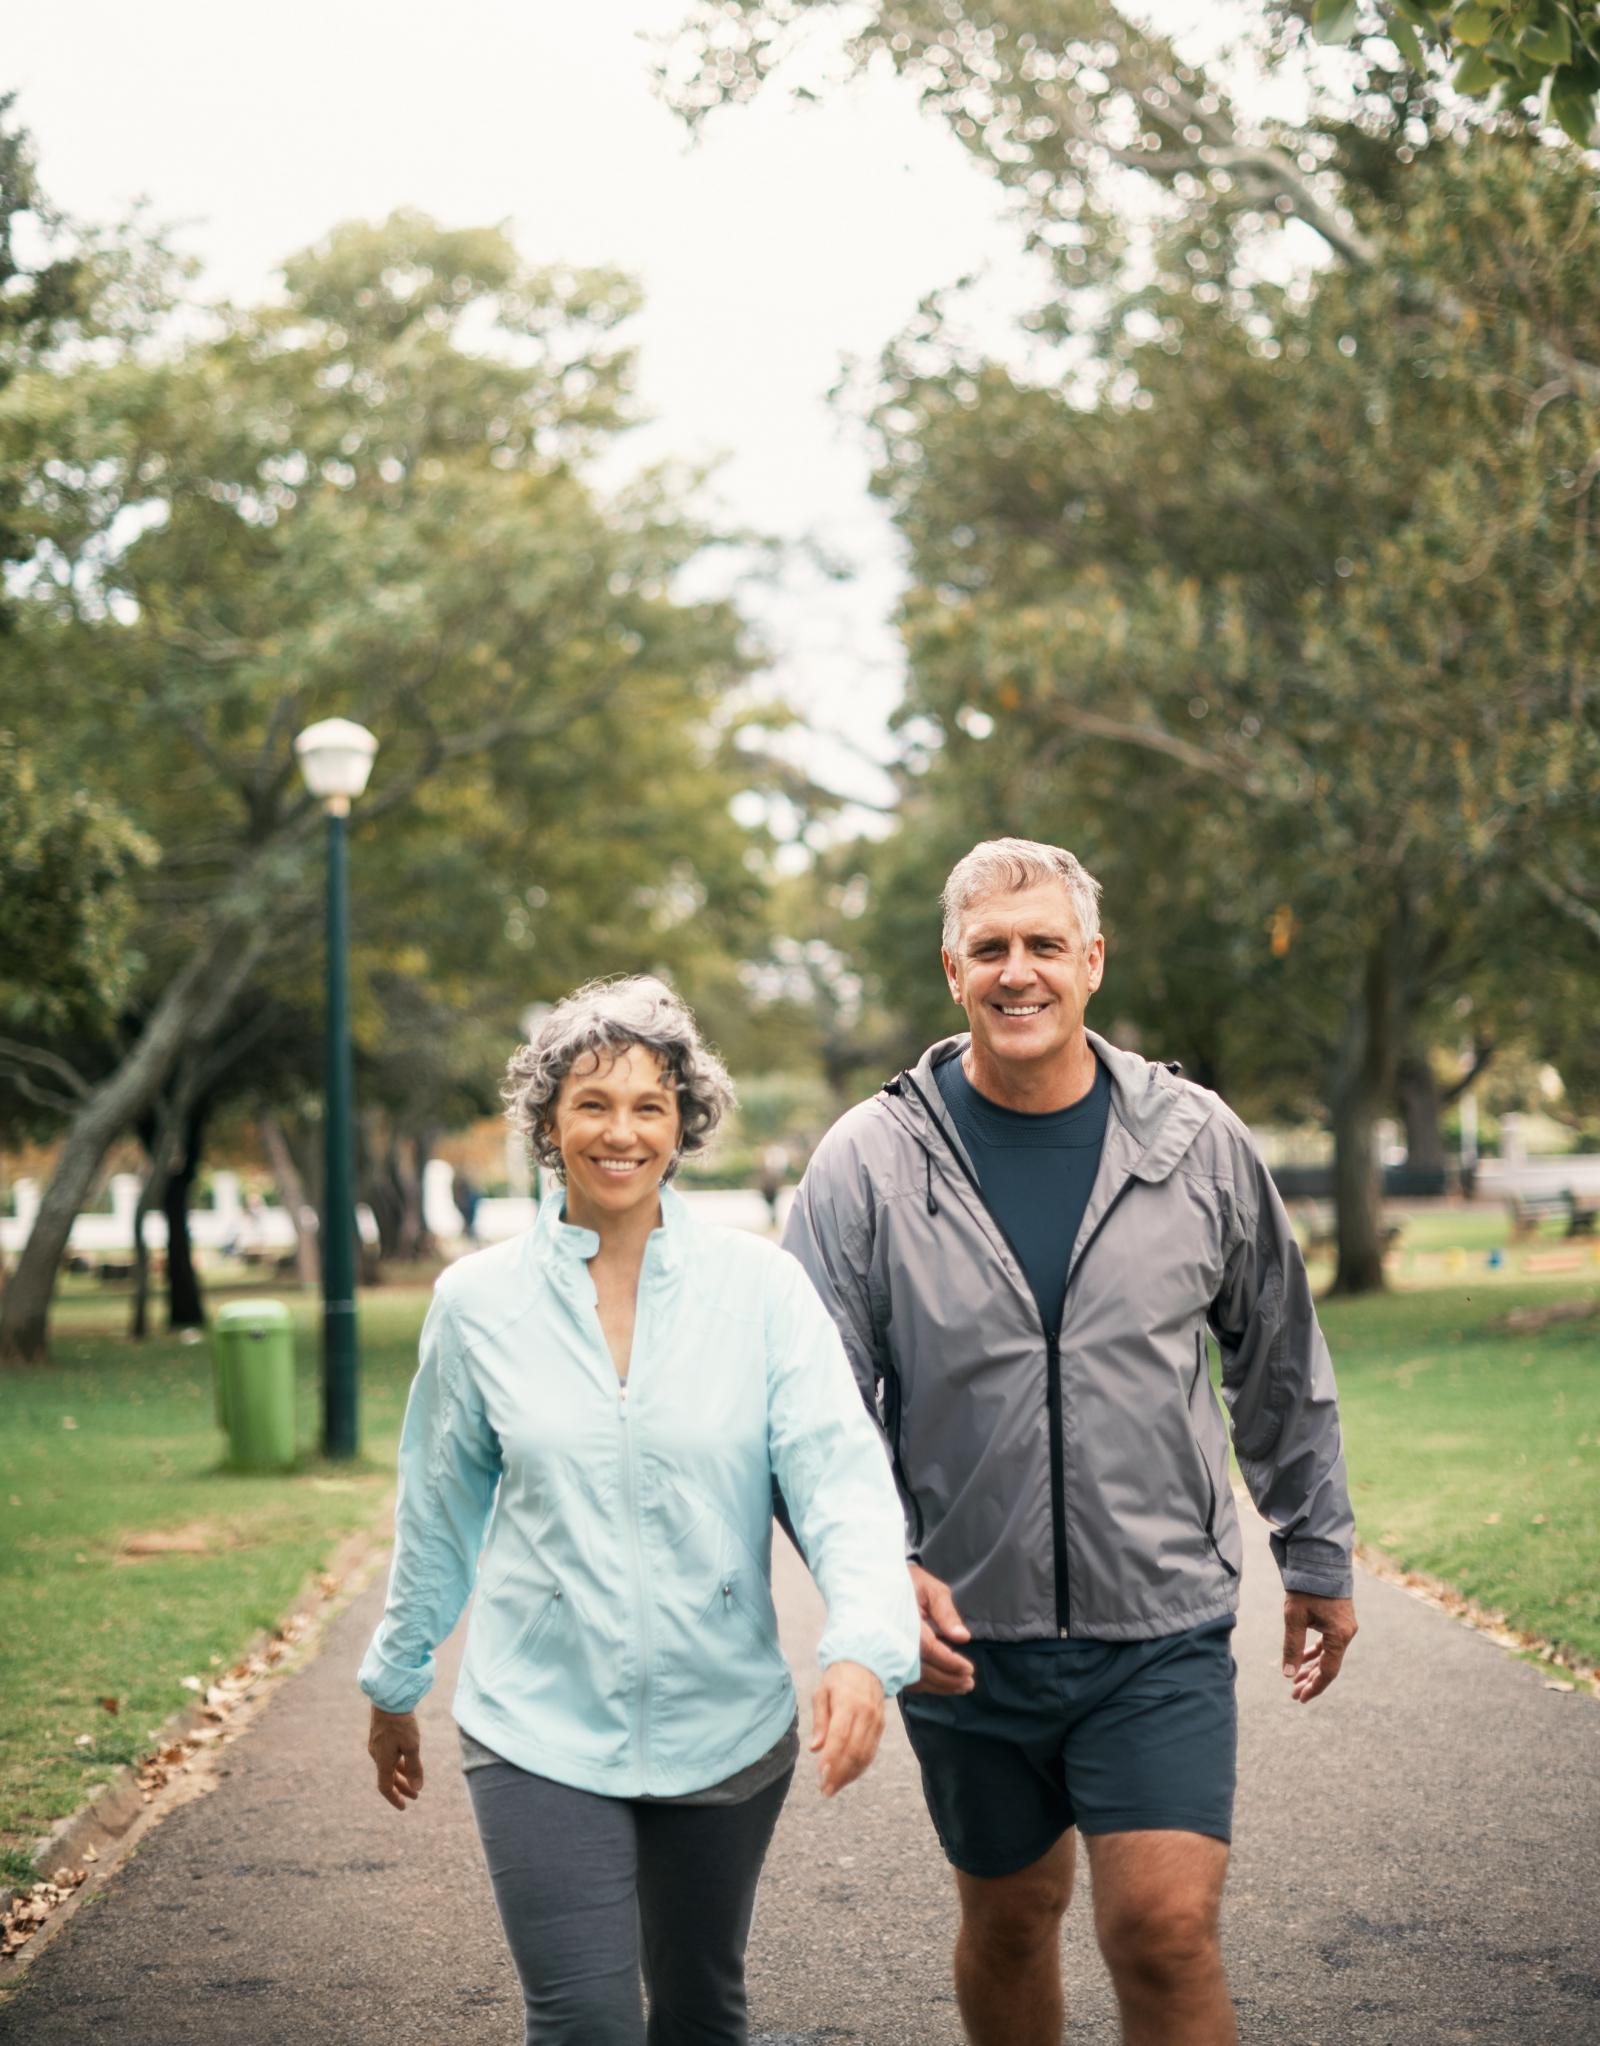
1211, 1499
741, 1609
525, 1639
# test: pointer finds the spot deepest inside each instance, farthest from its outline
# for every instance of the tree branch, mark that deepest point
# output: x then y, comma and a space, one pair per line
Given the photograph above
48, 1062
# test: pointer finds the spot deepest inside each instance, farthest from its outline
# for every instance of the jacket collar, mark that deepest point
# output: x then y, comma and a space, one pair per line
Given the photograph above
560, 1246
1159, 1113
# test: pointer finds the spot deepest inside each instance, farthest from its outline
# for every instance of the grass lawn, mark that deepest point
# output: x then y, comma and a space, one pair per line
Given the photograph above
110, 1441
1474, 1453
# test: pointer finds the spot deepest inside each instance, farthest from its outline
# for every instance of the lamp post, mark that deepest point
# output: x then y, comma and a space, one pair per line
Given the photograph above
336, 759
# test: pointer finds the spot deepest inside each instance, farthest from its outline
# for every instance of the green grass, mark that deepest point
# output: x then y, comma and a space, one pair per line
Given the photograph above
84, 1621
1474, 1453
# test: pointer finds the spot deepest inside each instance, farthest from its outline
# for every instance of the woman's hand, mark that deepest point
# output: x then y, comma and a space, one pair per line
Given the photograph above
395, 1744
846, 1724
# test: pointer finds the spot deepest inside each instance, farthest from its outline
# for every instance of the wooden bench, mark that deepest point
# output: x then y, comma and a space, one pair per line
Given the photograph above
1527, 1211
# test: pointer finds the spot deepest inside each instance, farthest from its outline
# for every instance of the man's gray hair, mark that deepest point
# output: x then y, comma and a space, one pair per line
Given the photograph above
1004, 866
606, 1017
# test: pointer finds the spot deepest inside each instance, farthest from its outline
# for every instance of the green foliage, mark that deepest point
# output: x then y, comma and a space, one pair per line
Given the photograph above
1540, 52
371, 497
1277, 621
66, 864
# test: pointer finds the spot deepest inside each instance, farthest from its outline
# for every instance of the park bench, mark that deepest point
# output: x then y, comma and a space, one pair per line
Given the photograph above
1527, 1211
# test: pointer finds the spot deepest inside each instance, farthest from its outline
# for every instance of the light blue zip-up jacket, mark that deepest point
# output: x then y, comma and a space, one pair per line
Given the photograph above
623, 1638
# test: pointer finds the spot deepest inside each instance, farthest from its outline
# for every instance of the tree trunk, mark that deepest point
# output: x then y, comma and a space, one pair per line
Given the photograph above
1421, 1108
195, 1001
410, 1162
155, 1136
185, 1304
1357, 1189
292, 1195
1363, 1085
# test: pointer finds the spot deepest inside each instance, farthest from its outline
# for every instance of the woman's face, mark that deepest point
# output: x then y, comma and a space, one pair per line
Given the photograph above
616, 1125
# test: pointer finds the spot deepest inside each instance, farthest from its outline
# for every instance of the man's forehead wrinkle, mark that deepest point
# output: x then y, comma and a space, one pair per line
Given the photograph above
1008, 927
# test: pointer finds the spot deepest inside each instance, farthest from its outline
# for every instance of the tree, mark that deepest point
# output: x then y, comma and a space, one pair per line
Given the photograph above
1542, 51
370, 497
1243, 568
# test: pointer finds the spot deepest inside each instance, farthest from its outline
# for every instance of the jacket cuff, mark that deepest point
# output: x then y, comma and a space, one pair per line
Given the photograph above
1321, 1568
394, 1687
892, 1672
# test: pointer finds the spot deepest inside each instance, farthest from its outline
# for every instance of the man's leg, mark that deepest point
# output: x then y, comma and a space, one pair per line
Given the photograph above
1008, 1951
1157, 1905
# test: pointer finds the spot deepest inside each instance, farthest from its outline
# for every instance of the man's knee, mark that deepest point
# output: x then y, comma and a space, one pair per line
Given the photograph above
1159, 1942
1008, 1919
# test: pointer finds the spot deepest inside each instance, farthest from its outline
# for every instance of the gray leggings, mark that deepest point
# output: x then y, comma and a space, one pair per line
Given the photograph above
590, 1889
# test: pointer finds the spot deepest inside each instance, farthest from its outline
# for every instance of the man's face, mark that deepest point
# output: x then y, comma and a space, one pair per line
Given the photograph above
1024, 975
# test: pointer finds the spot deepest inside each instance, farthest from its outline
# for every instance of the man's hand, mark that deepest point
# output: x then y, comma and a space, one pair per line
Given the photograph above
846, 1724
943, 1671
395, 1744
1311, 1671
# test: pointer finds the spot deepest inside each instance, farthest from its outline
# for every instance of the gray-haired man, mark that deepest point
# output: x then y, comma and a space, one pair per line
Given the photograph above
1024, 1241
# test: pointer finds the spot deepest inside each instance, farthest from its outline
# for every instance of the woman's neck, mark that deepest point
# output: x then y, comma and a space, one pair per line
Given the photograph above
622, 1237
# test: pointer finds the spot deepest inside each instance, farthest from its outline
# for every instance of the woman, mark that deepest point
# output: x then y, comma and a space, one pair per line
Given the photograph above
612, 1394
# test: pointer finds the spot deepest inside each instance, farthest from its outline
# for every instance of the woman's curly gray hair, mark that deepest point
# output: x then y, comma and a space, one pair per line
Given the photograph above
605, 1017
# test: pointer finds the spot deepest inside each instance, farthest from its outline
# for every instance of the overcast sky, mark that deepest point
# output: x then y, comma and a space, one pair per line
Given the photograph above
785, 242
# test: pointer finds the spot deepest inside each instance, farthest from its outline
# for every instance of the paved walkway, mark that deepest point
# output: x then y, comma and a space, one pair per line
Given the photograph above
1417, 1861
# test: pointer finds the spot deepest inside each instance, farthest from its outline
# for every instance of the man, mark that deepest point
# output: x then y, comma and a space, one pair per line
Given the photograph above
1024, 1241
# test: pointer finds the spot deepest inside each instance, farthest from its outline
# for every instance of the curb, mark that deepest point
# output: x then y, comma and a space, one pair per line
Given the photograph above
87, 1846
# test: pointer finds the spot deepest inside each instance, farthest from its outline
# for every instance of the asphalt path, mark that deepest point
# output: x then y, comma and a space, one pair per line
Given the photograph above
1416, 1862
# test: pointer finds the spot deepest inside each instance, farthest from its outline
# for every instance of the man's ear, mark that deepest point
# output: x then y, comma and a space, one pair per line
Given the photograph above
952, 977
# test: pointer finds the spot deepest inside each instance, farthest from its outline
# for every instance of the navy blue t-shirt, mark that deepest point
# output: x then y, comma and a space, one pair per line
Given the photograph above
1035, 1172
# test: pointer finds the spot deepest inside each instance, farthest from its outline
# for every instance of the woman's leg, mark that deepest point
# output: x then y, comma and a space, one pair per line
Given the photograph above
698, 1869
564, 1868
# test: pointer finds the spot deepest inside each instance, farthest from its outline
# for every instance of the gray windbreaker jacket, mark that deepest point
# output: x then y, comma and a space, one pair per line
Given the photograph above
1074, 1482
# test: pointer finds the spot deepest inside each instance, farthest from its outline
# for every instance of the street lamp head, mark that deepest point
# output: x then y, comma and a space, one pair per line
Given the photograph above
336, 758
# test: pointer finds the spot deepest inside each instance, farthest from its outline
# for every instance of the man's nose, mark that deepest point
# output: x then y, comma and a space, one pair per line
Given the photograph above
1018, 967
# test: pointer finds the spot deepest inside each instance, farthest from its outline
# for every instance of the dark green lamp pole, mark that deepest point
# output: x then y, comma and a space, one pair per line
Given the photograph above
336, 759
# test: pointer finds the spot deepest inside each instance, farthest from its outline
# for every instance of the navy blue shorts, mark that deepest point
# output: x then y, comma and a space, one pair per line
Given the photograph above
1107, 1736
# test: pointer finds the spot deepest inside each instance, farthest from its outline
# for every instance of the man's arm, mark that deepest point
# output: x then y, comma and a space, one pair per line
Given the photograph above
1278, 1384
830, 1231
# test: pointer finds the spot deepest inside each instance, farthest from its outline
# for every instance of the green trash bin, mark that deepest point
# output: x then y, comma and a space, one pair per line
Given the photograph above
253, 1353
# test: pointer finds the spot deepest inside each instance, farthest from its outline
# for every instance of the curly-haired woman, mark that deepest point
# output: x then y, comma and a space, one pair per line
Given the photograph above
611, 1394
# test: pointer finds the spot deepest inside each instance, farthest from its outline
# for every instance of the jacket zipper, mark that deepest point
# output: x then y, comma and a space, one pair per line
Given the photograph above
641, 1604
1052, 1383
1052, 1353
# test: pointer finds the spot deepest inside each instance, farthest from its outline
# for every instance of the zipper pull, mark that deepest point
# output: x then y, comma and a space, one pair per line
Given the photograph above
623, 1398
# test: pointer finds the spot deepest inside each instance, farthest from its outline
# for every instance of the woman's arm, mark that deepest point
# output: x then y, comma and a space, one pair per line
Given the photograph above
449, 1468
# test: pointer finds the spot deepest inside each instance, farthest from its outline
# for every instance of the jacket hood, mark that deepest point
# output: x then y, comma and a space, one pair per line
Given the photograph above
1161, 1112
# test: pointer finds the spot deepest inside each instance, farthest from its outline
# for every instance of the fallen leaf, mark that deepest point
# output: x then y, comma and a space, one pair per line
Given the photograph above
83, 1740
191, 1683
1491, 1520
1556, 1684
67, 1421
91, 1854
112, 1705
